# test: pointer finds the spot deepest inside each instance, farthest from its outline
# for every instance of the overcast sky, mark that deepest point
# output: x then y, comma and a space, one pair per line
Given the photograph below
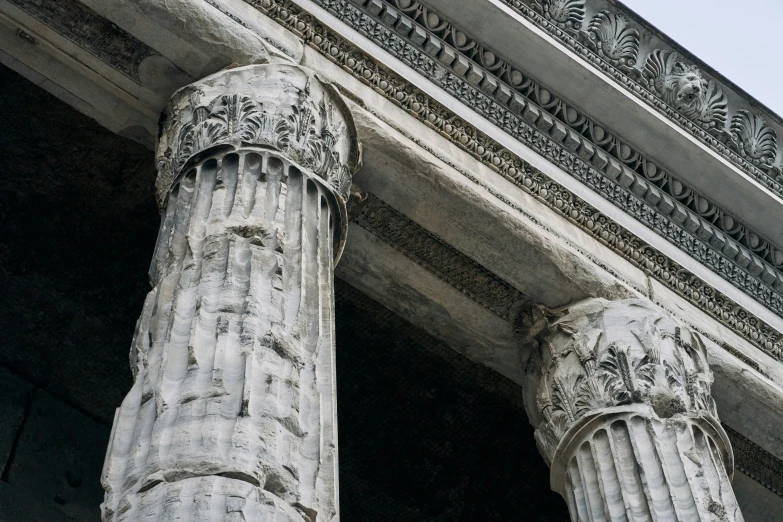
743, 40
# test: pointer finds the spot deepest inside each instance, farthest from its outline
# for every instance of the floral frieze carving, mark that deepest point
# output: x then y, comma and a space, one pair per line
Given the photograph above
309, 123
397, 90
662, 77
540, 99
600, 355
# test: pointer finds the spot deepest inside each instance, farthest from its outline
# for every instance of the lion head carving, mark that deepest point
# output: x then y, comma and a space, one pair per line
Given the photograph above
684, 89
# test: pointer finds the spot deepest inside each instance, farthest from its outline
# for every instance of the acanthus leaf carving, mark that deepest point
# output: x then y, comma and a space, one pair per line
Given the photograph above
594, 393
566, 14
685, 90
299, 124
564, 394
626, 375
611, 35
645, 406
756, 141
642, 359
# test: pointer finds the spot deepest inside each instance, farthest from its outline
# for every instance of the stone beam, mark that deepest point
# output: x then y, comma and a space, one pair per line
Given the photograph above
500, 25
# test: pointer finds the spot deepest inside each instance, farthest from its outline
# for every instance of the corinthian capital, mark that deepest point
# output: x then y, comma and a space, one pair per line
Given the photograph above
285, 108
619, 395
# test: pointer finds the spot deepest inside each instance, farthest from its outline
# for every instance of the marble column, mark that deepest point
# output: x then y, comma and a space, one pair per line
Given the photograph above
232, 414
619, 395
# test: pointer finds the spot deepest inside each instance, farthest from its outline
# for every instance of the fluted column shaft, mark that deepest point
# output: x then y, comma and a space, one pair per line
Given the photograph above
232, 413
619, 394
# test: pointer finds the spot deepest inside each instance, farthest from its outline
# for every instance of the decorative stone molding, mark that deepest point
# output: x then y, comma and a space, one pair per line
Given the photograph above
439, 258
611, 35
485, 83
682, 87
701, 108
232, 413
566, 14
433, 114
757, 463
619, 394
495, 157
757, 141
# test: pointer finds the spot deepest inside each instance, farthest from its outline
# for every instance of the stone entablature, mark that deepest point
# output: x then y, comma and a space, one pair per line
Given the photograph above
88, 29
528, 111
586, 138
431, 252
430, 112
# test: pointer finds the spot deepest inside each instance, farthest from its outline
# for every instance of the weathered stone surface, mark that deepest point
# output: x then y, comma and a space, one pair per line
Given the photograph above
619, 394
193, 487
461, 448
232, 412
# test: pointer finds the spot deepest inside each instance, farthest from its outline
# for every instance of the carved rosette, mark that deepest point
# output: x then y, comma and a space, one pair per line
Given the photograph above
232, 412
619, 394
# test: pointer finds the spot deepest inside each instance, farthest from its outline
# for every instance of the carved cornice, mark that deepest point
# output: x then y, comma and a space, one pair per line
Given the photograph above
653, 196
439, 258
93, 33
485, 149
667, 79
711, 226
282, 107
